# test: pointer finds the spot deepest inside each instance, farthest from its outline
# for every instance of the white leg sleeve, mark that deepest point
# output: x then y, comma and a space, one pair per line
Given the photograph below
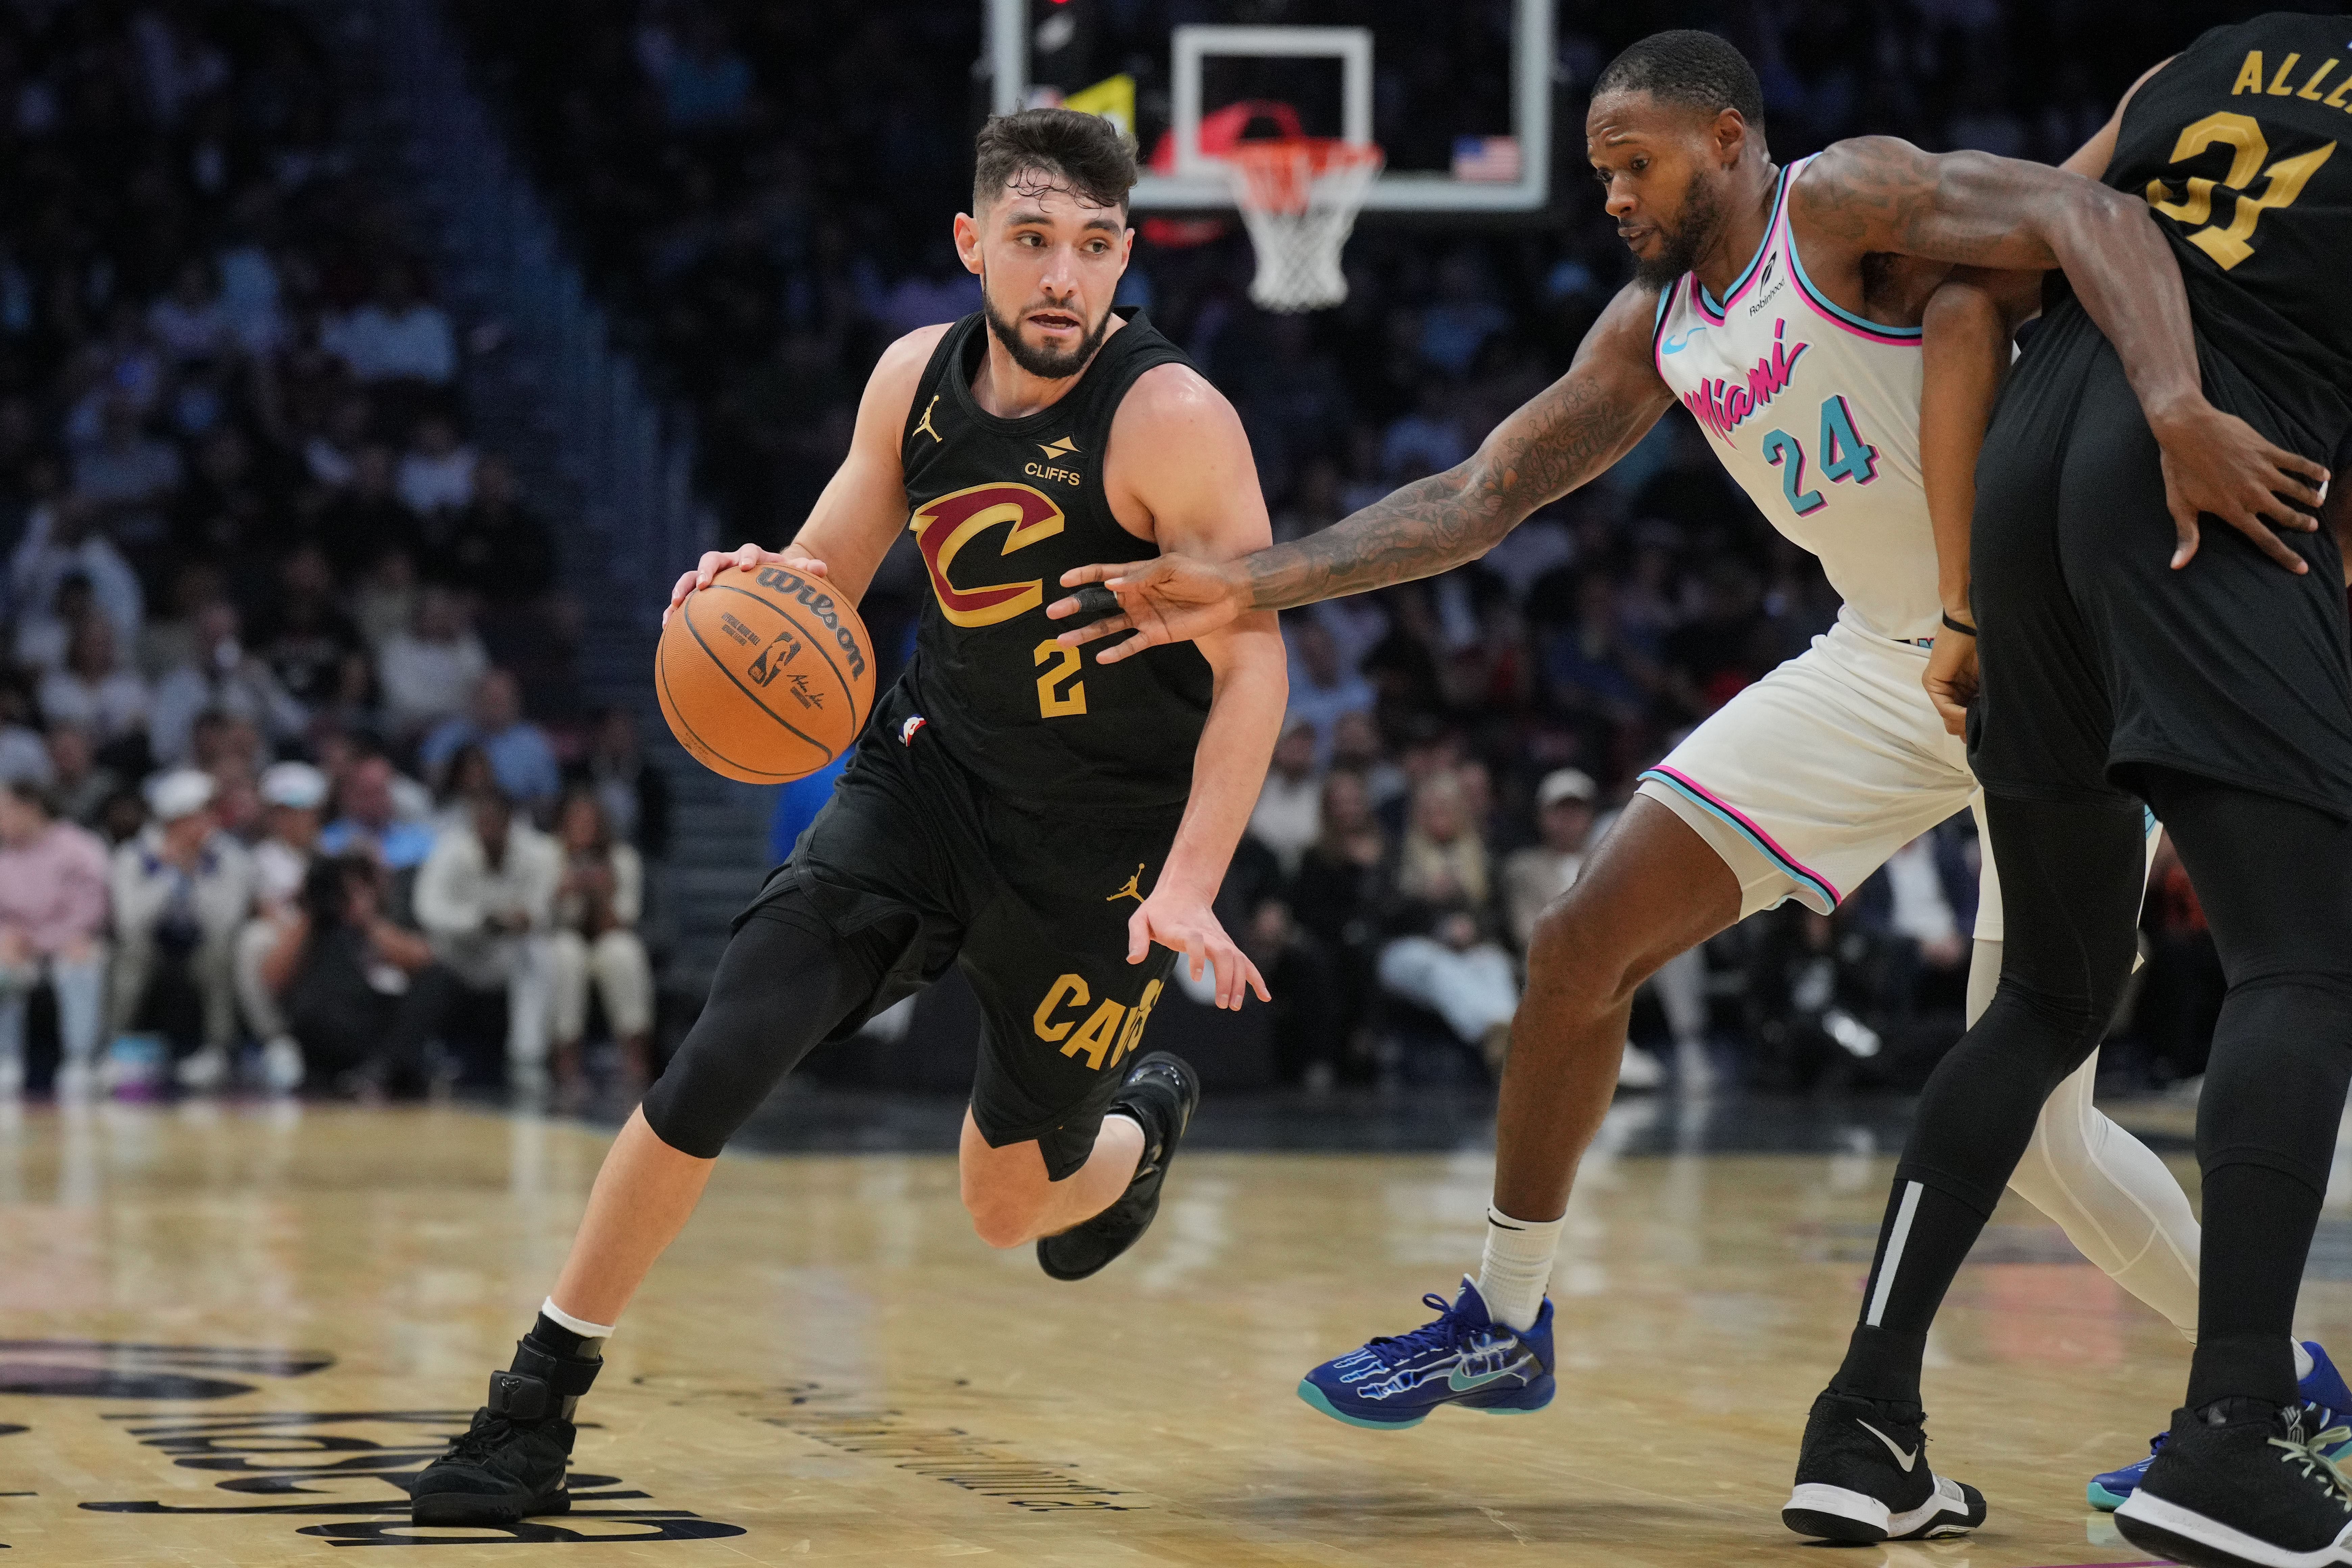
2115, 1200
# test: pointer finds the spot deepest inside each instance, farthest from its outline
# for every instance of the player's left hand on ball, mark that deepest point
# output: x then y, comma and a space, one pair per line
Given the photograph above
749, 557
1952, 679
2215, 462
1186, 925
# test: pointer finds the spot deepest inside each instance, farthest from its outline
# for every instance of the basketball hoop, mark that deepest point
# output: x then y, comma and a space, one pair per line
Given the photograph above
1299, 195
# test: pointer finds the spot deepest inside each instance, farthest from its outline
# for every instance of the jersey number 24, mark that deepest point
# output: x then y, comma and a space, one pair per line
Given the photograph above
1843, 454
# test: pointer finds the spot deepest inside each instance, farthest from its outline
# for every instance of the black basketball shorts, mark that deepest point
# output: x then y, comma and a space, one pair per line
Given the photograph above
1033, 910
2098, 657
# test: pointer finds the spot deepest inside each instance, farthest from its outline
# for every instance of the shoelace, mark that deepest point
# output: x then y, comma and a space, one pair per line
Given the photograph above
2313, 1457
1449, 1332
477, 1441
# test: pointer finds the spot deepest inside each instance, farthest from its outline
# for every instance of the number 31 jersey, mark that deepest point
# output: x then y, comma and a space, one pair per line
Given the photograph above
1815, 412
2237, 147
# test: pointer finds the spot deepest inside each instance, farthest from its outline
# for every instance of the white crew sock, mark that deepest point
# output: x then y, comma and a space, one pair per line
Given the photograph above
581, 1326
1516, 1267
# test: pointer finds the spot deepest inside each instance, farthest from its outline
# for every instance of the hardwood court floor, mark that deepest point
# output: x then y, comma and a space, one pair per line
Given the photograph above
227, 1330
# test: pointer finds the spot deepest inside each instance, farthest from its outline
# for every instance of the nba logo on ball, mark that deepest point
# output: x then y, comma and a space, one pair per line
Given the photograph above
765, 675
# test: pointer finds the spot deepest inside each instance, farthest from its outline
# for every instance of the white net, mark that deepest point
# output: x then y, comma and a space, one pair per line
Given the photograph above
1300, 197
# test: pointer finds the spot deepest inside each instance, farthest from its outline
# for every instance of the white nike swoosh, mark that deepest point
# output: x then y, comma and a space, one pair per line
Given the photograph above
1902, 1458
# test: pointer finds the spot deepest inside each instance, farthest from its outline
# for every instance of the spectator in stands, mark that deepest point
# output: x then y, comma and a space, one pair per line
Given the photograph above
496, 547
53, 928
630, 789
44, 631
1340, 891
370, 816
1535, 875
181, 890
704, 81
485, 896
63, 540
128, 474
221, 677
428, 672
366, 520
332, 454
1288, 815
191, 322
522, 762
597, 905
294, 795
79, 782
303, 636
437, 472
23, 754
1444, 960
360, 992
398, 335
385, 602
1322, 687
91, 689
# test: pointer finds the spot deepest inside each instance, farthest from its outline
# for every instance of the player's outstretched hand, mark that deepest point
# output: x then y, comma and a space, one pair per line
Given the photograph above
1185, 924
2214, 461
1170, 598
747, 556
1952, 679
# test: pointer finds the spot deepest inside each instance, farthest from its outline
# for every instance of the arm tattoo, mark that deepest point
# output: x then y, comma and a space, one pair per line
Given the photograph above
1564, 437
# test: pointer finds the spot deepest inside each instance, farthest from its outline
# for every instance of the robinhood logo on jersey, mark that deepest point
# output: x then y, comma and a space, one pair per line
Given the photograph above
942, 527
1723, 407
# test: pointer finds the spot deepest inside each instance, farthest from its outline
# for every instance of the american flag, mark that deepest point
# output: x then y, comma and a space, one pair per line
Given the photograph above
1487, 160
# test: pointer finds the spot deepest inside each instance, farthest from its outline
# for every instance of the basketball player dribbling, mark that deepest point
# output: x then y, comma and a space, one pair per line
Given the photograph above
1056, 826
1783, 307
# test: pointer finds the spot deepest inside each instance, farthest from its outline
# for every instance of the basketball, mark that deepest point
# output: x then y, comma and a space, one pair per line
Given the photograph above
765, 675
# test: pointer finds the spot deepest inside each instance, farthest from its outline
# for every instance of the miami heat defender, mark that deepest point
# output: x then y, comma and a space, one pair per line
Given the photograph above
1038, 819
1782, 307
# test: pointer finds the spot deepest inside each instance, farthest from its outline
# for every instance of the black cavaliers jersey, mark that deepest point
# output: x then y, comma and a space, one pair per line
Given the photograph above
2239, 147
1002, 508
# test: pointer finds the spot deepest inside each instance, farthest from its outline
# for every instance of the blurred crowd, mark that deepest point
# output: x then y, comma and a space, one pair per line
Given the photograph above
1455, 743
271, 805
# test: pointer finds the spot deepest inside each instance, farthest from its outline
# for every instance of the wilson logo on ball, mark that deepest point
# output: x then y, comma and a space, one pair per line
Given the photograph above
945, 526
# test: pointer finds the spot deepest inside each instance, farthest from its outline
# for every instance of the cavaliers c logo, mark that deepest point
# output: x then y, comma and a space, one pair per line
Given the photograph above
950, 523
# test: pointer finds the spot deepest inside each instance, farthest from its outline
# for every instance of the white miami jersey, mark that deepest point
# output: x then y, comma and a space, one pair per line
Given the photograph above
1815, 412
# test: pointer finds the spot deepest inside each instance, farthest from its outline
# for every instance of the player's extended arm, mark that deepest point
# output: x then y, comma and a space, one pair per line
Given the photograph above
1880, 193
1562, 437
1177, 447
864, 506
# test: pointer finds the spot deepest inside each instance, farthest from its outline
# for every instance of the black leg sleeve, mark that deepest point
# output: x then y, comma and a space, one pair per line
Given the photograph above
2275, 880
2071, 879
786, 980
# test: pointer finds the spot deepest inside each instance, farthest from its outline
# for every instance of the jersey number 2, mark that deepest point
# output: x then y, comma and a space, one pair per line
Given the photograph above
1844, 456
2248, 148
1060, 692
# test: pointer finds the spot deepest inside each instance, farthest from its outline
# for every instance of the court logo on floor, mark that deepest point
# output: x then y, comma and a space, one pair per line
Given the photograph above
350, 1471
114, 1369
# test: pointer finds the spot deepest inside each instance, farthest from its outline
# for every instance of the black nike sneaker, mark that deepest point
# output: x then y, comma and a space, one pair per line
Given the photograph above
1862, 1475
1161, 1092
510, 1464
2241, 1482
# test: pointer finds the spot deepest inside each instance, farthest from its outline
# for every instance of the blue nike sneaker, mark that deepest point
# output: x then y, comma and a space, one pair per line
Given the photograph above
1464, 1358
2327, 1402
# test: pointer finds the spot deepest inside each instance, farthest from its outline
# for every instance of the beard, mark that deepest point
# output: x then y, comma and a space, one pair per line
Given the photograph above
1679, 246
1043, 362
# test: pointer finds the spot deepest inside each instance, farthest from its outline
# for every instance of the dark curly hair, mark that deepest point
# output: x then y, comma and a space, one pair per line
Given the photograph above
1041, 150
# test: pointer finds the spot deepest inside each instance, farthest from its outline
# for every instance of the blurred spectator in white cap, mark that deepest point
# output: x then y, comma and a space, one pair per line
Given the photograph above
1535, 875
52, 927
182, 890
221, 677
92, 690
1288, 815
294, 797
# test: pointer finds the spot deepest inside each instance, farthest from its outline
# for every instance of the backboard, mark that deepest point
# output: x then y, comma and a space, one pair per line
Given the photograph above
1457, 94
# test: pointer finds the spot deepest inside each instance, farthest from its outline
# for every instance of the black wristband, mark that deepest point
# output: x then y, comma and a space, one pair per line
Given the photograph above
1963, 628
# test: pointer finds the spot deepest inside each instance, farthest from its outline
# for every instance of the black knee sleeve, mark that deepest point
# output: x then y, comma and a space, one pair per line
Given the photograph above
786, 980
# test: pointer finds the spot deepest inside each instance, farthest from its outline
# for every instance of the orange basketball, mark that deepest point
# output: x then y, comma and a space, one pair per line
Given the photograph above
765, 675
